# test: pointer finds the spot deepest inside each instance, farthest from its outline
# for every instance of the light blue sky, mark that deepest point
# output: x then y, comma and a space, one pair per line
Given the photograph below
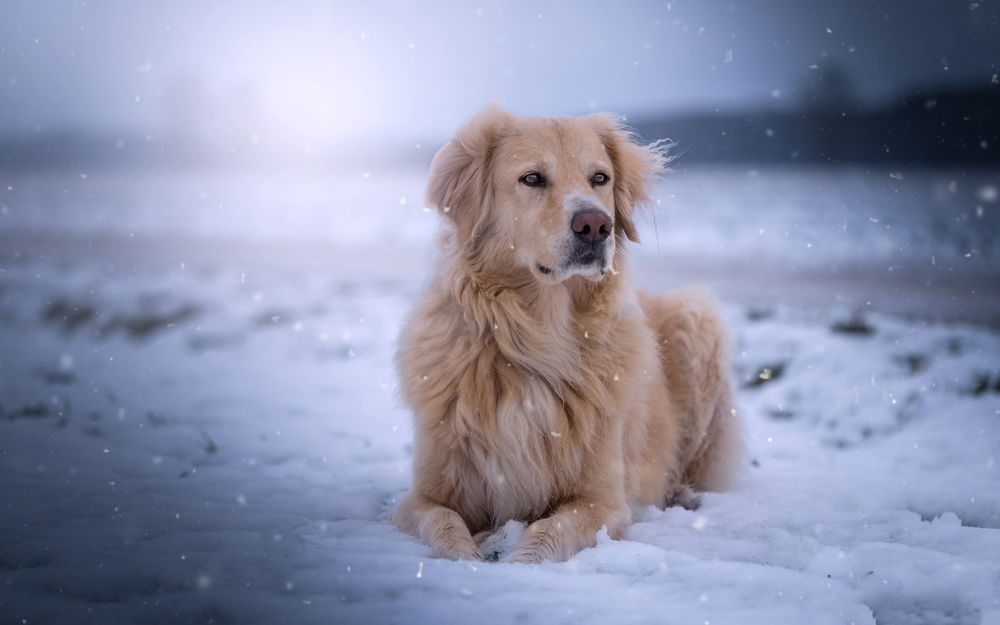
327, 71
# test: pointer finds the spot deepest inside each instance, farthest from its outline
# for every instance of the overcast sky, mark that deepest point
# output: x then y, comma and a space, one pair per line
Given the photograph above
328, 70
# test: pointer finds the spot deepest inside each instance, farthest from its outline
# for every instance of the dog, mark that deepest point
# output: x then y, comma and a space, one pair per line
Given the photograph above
544, 388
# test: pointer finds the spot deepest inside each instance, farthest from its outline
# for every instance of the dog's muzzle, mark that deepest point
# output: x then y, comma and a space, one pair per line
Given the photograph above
591, 228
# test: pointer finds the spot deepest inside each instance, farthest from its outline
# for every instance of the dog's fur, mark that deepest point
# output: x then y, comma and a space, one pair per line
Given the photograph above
544, 388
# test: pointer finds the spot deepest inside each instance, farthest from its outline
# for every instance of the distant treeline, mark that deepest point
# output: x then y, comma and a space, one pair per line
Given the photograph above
946, 127
960, 127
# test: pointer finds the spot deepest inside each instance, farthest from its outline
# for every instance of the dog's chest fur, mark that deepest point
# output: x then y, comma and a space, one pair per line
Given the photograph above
516, 400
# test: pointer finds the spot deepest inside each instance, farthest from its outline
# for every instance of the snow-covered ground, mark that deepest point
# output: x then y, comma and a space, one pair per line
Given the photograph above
198, 420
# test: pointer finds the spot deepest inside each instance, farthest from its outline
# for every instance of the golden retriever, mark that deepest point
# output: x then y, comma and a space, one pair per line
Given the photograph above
544, 387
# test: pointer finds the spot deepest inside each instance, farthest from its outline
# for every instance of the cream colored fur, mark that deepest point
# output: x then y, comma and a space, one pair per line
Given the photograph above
563, 398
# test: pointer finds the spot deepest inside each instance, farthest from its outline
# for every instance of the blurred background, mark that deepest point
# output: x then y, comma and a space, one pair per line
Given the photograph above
853, 144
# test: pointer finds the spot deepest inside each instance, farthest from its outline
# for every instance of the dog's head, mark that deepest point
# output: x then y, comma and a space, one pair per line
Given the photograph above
553, 196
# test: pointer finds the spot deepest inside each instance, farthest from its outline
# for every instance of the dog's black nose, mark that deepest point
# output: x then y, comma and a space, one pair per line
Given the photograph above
591, 225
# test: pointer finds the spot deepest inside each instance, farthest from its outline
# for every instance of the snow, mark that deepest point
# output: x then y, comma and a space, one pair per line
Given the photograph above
198, 419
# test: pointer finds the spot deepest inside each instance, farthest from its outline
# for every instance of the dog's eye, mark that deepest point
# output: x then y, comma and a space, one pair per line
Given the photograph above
599, 178
532, 179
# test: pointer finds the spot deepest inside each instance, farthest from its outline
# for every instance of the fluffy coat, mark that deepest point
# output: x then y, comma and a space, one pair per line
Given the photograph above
543, 390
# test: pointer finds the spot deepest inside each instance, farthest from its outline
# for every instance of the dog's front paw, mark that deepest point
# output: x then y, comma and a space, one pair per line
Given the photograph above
528, 554
539, 542
445, 531
451, 552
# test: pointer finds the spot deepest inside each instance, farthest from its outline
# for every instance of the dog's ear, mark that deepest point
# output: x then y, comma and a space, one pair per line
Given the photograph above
635, 167
458, 180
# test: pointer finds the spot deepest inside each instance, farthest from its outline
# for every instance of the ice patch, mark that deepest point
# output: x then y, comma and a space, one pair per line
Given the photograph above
497, 545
